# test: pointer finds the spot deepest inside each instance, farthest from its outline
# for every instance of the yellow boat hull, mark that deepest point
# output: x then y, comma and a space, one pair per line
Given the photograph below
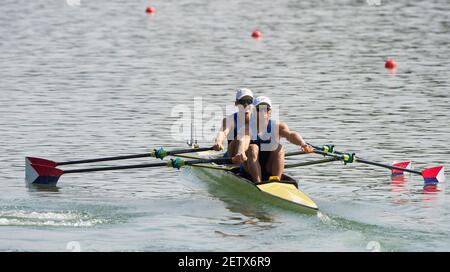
283, 193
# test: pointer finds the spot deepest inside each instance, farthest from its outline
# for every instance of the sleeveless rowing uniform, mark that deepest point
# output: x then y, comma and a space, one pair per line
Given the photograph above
235, 128
235, 133
263, 156
264, 151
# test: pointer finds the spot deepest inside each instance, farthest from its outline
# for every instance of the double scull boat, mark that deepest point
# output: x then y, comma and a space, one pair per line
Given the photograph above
284, 193
213, 165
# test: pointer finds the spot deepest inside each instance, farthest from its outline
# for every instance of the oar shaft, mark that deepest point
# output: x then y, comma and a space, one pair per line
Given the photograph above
147, 165
318, 151
310, 162
295, 153
388, 166
96, 169
125, 157
339, 155
189, 150
234, 166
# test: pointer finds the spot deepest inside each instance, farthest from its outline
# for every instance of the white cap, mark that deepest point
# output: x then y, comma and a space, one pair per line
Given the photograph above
243, 92
261, 100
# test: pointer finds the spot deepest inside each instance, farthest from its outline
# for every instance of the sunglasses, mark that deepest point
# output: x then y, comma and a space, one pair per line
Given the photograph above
245, 101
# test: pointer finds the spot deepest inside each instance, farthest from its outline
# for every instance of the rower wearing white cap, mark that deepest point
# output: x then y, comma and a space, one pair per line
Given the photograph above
265, 154
238, 124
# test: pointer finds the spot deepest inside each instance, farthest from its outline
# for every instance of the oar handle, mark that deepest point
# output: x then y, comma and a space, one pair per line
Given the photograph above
158, 153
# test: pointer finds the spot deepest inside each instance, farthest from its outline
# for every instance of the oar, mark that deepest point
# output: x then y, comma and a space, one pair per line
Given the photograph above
294, 153
299, 164
157, 153
310, 162
41, 174
431, 176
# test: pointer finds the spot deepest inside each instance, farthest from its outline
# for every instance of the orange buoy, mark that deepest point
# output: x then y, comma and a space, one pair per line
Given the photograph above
390, 64
150, 10
256, 34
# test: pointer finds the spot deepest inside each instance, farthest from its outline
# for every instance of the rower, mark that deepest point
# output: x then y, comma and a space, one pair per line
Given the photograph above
238, 123
265, 154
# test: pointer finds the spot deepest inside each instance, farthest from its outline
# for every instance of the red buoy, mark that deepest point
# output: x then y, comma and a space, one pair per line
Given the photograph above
256, 34
390, 64
150, 10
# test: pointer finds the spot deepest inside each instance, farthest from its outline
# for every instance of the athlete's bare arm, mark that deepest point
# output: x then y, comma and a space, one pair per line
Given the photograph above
223, 133
294, 137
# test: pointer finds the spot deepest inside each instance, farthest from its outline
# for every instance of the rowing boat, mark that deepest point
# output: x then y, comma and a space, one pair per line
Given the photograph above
283, 193
214, 165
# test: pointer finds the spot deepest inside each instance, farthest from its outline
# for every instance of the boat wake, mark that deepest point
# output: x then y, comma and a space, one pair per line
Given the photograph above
51, 219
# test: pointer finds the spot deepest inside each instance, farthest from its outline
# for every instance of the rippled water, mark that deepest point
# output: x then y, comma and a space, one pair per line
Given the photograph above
102, 78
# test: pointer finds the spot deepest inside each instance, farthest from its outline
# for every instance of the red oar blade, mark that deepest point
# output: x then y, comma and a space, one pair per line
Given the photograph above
433, 175
397, 172
42, 174
39, 161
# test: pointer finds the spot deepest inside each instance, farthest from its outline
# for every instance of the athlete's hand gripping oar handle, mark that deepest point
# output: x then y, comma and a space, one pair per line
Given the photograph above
159, 153
432, 175
41, 174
